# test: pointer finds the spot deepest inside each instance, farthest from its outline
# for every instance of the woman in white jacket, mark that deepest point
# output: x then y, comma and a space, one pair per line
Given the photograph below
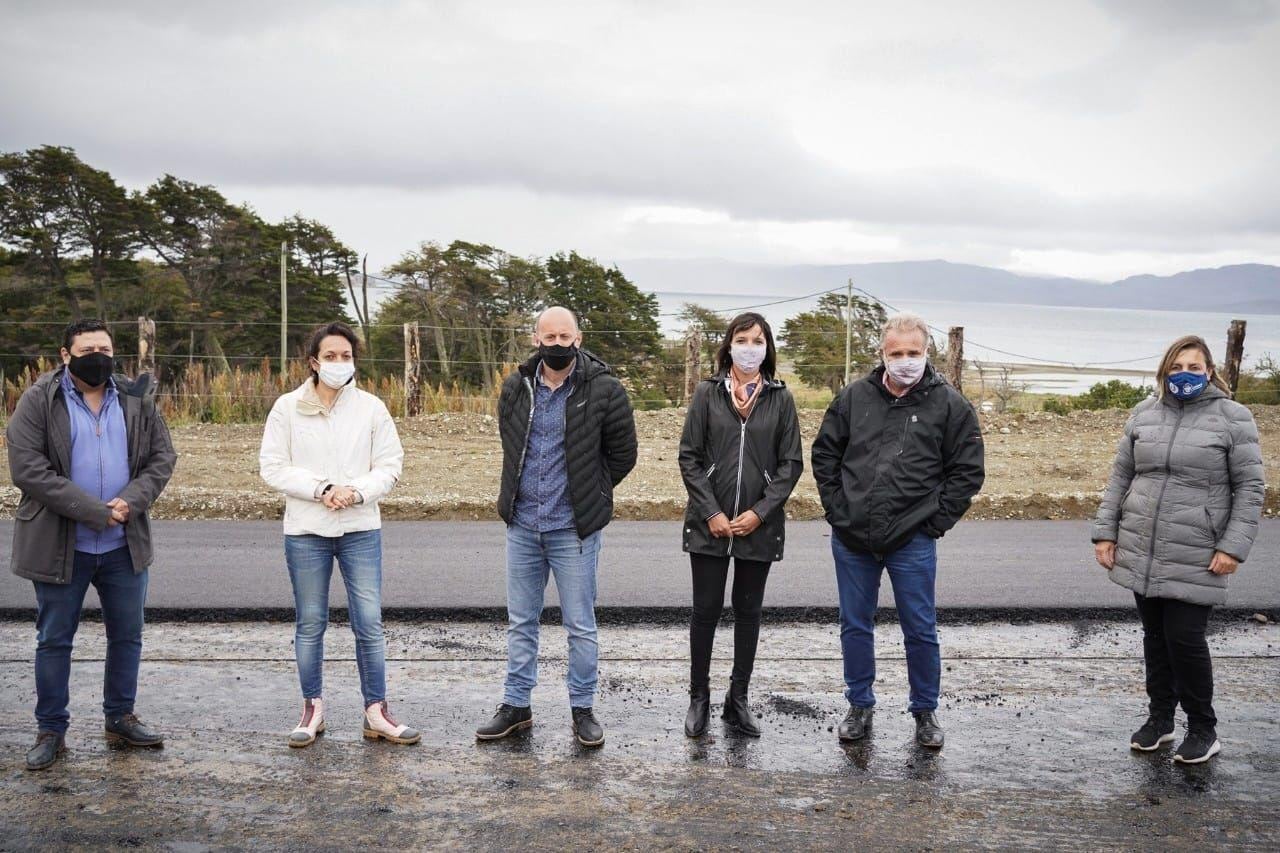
332, 449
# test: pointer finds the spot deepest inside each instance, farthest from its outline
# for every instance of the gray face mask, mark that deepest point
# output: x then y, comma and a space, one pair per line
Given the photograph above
905, 371
747, 357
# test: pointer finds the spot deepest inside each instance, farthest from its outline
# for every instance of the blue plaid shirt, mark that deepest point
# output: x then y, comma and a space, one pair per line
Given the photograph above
542, 502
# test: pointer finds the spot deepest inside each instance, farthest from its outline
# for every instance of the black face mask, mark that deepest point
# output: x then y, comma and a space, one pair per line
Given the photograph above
93, 369
557, 357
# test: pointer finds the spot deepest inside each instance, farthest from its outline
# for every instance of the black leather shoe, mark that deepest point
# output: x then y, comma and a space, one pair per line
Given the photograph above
47, 748
586, 728
695, 722
737, 713
128, 730
928, 732
855, 725
507, 720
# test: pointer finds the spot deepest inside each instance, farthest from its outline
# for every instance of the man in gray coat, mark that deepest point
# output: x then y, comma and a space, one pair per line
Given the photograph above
89, 456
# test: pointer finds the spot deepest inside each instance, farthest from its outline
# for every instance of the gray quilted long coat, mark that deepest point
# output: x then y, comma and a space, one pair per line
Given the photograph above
1186, 481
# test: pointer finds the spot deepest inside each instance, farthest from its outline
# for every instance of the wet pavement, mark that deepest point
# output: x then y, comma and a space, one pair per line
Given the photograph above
1037, 719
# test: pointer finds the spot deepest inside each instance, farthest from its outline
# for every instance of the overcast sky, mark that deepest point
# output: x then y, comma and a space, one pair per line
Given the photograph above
1096, 138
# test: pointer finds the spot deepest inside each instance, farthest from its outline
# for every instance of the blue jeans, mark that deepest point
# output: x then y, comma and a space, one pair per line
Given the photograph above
123, 594
912, 571
531, 557
310, 560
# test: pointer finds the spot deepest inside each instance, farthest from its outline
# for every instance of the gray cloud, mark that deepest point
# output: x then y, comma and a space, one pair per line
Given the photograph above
440, 100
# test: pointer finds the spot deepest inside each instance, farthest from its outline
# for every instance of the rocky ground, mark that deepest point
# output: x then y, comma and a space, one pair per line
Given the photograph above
1038, 466
1037, 757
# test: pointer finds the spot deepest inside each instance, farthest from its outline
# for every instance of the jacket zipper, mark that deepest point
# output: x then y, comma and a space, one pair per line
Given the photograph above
742, 447
1155, 516
528, 427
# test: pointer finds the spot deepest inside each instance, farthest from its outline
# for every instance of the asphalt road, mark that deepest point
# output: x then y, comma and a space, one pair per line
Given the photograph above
996, 565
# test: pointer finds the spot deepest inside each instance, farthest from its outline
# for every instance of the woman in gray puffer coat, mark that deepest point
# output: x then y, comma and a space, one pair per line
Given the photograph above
1179, 514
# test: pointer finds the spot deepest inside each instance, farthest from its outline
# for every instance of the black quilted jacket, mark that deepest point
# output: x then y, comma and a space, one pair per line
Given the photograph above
599, 439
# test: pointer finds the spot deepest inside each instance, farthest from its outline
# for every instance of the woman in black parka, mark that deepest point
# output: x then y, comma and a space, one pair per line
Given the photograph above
740, 459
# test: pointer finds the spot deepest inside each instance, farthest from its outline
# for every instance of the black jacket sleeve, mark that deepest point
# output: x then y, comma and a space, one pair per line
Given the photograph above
962, 466
692, 440
828, 452
619, 434
790, 461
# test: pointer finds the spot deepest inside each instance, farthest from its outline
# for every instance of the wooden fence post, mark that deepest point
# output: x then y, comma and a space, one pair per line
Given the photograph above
955, 356
412, 375
692, 361
146, 345
1235, 352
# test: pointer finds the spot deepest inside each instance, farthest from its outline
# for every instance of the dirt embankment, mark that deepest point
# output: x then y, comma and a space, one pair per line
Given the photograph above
1039, 466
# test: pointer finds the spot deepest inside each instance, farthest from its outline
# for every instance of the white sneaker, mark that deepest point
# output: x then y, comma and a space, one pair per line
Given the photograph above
311, 724
378, 723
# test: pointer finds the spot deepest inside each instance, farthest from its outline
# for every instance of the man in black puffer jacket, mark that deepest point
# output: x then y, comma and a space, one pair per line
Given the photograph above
898, 459
568, 438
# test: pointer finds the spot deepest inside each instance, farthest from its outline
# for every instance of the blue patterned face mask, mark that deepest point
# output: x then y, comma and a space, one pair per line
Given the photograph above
1186, 385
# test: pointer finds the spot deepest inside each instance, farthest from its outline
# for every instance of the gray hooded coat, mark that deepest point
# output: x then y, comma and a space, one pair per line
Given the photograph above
1186, 481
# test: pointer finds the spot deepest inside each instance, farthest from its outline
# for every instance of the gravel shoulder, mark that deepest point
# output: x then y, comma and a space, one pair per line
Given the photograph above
1039, 466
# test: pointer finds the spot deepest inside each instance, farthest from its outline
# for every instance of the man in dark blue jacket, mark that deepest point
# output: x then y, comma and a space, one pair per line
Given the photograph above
898, 459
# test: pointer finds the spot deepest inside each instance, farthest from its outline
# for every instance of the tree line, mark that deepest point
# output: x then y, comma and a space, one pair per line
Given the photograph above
75, 243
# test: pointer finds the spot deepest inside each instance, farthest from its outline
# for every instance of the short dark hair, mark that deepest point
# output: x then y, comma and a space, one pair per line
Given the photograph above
317, 337
724, 356
83, 327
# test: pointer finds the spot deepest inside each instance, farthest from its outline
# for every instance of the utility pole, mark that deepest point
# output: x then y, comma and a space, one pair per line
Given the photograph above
284, 311
848, 332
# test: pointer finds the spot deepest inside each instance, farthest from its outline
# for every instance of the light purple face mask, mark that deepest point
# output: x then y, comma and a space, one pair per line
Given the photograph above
747, 357
906, 371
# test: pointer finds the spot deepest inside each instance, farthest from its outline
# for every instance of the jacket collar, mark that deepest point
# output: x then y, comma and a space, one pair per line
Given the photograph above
309, 402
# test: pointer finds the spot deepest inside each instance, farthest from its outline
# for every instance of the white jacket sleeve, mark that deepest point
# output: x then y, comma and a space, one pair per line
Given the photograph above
275, 458
386, 458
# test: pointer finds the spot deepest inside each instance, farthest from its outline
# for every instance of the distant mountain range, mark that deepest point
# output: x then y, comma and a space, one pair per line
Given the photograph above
1240, 288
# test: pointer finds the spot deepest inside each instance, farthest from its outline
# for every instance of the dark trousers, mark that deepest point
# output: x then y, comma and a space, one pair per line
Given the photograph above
710, 574
123, 594
1179, 668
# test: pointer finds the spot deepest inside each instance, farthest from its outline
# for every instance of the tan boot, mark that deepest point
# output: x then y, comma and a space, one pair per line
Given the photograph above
378, 723
311, 724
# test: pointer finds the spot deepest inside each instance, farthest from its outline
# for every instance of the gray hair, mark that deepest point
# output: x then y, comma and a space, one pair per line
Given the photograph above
905, 322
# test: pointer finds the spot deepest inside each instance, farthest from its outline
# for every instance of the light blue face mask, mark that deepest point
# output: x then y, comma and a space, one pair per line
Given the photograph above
1186, 385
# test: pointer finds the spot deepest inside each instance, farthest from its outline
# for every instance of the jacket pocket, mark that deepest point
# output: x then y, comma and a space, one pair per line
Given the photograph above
28, 510
1213, 525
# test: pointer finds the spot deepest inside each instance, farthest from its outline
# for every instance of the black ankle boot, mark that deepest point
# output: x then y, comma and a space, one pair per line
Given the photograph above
736, 711
695, 722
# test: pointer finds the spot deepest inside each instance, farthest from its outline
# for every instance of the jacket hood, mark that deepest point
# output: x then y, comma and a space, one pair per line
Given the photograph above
589, 365
143, 387
769, 382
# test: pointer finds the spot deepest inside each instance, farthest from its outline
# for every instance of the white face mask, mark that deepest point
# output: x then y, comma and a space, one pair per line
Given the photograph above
747, 357
335, 374
905, 371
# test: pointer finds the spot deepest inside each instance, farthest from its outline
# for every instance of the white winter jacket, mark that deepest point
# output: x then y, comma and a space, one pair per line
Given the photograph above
305, 448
